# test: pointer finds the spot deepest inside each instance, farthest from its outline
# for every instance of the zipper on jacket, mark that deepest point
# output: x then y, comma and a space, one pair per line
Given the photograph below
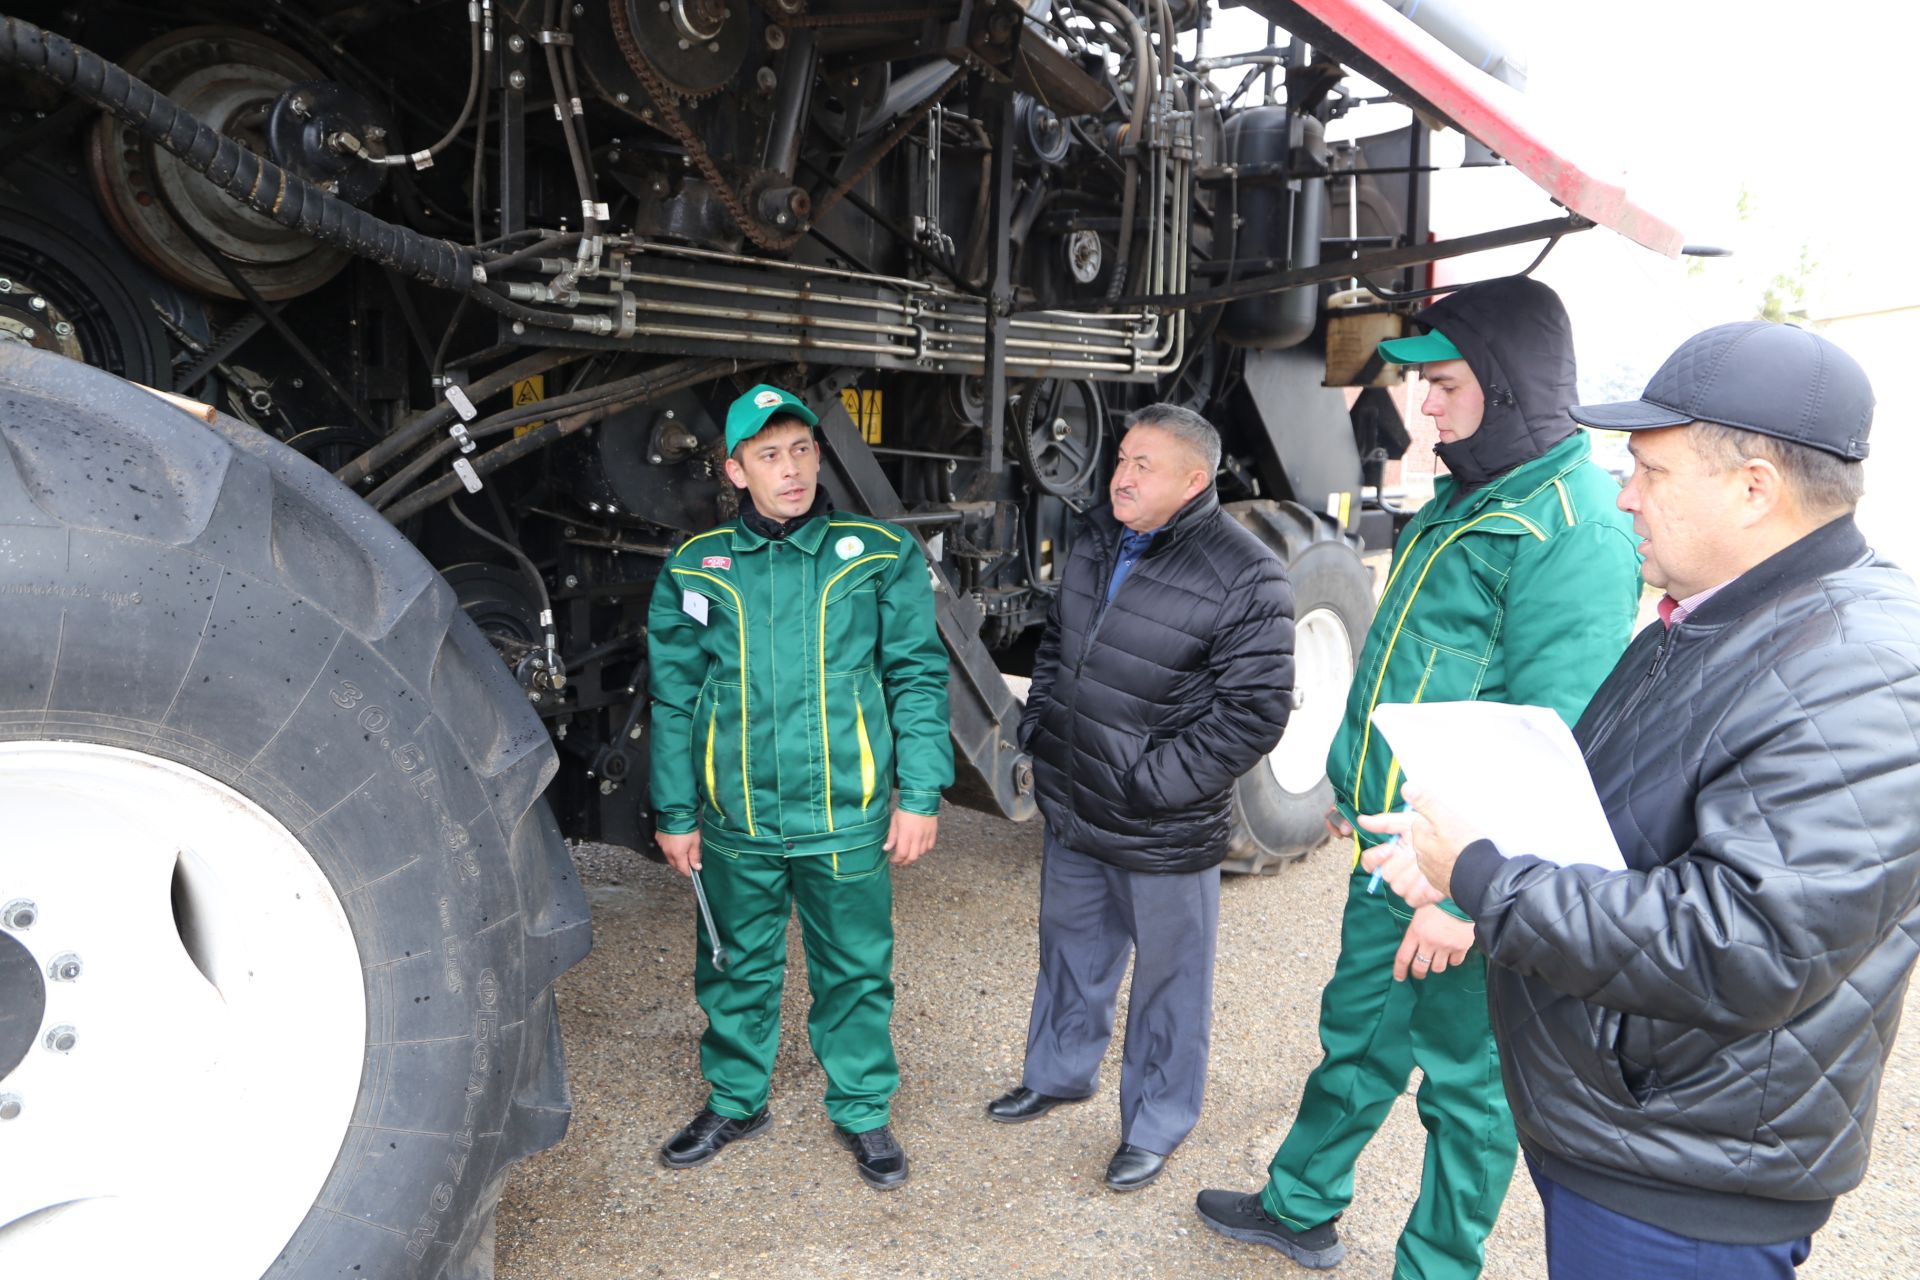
1393, 763
826, 735
1406, 607
740, 606
1660, 656
1080, 659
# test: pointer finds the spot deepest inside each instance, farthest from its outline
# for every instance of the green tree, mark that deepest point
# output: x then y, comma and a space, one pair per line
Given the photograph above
1782, 289
1785, 296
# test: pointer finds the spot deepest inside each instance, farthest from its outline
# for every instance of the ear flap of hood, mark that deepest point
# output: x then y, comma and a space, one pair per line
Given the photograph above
1515, 335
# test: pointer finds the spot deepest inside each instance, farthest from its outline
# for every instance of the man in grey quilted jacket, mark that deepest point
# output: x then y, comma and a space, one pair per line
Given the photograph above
1693, 1046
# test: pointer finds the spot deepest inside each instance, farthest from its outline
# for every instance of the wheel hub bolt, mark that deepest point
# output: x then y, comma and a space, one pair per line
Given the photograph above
19, 914
61, 1039
37, 302
65, 967
10, 1106
62, 328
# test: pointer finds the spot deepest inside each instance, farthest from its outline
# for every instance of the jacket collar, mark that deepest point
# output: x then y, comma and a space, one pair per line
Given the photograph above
807, 537
1178, 527
804, 531
1516, 486
1832, 547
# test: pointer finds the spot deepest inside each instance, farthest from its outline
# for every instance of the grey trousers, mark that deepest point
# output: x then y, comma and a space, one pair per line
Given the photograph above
1092, 915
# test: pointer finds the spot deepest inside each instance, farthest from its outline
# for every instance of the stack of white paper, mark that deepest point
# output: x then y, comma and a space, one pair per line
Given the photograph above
1513, 773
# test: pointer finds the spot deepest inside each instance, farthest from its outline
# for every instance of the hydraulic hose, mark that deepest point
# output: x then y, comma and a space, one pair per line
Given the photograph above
444, 414
666, 379
1145, 72
617, 392
482, 56
567, 105
258, 183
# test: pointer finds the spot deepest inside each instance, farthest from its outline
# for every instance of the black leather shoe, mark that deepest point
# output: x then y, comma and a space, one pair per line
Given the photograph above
1017, 1106
876, 1156
1133, 1168
1242, 1217
706, 1133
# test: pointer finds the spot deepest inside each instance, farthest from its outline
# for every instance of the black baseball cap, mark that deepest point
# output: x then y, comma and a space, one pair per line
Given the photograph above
1753, 375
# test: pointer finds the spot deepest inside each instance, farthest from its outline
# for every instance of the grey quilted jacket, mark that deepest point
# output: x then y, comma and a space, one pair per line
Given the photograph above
1697, 1042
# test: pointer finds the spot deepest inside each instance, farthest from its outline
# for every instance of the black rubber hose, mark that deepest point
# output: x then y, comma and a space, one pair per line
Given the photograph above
675, 376
260, 184
443, 413
569, 125
517, 416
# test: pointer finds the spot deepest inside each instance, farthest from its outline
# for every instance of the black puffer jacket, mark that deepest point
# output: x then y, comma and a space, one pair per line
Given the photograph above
1697, 1042
1144, 711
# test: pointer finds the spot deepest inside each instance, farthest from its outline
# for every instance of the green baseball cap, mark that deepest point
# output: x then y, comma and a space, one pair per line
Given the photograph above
749, 413
1421, 349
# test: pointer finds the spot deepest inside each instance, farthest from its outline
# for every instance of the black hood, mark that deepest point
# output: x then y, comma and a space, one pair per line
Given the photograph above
1515, 336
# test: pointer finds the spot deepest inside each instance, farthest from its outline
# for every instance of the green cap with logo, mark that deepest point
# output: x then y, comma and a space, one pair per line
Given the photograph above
1424, 348
749, 413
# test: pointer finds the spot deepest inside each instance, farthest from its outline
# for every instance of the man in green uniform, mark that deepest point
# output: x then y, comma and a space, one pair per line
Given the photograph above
1517, 583
798, 679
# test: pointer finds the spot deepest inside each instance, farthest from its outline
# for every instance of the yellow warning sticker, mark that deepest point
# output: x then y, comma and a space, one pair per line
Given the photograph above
864, 408
529, 390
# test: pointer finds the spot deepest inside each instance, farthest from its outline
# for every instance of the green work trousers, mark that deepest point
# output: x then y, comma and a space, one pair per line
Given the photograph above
845, 902
1374, 1032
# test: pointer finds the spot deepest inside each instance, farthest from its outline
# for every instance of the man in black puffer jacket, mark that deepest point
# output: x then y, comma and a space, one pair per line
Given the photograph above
1693, 1046
1165, 672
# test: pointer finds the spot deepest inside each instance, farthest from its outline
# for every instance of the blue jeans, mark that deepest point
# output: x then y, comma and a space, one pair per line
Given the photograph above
1588, 1242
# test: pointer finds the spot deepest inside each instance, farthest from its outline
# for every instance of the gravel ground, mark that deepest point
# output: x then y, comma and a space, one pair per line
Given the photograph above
989, 1200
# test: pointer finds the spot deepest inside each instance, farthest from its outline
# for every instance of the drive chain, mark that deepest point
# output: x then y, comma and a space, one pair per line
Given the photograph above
664, 99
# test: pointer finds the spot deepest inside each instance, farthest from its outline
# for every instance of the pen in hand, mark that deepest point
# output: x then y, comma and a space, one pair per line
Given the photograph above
1373, 885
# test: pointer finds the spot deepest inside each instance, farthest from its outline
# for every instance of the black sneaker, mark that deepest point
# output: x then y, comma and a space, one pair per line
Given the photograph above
1242, 1217
876, 1156
706, 1133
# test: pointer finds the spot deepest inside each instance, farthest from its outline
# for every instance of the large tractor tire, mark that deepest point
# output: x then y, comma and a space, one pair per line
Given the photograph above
1279, 807
280, 906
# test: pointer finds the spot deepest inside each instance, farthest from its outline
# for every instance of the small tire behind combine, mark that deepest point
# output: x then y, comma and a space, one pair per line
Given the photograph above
276, 881
1279, 807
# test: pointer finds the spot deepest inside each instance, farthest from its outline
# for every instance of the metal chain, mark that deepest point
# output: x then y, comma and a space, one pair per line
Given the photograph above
683, 133
663, 98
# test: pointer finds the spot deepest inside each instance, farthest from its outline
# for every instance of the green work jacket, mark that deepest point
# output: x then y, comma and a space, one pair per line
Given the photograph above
1522, 592
795, 684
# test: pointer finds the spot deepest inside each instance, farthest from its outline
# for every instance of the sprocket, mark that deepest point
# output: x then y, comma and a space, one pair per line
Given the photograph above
694, 47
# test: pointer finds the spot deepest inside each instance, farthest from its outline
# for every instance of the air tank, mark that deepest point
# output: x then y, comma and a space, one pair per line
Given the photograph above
1280, 220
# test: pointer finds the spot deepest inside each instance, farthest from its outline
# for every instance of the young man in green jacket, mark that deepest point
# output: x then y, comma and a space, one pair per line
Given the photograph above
1517, 583
798, 679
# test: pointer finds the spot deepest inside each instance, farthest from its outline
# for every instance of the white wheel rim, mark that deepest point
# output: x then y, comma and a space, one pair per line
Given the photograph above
197, 1114
1322, 674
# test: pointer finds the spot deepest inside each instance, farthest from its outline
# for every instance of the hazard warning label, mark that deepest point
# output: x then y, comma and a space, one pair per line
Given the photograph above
529, 390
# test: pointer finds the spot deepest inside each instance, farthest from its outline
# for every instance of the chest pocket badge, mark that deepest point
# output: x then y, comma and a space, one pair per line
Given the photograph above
849, 547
